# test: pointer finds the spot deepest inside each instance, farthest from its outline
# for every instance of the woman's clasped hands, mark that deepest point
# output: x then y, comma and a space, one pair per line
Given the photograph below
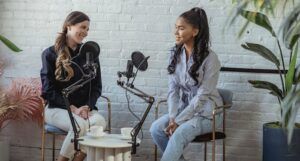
83, 111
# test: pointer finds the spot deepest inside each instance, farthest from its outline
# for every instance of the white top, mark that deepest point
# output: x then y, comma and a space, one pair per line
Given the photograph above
107, 141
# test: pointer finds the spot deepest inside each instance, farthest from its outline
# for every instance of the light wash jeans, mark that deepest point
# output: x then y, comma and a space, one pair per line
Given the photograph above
60, 119
173, 147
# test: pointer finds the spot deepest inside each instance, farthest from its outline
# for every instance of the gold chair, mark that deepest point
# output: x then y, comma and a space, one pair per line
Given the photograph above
54, 131
214, 135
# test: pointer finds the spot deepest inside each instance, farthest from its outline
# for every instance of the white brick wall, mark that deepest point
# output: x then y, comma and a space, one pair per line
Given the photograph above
123, 26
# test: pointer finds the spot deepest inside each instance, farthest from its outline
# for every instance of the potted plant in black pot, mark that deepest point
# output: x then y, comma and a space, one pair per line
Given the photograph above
281, 139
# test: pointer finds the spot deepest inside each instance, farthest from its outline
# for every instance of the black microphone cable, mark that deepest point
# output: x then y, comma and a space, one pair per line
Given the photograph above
88, 118
82, 72
77, 67
130, 110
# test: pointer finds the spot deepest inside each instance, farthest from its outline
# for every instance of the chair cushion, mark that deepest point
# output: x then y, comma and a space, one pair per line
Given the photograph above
208, 137
52, 129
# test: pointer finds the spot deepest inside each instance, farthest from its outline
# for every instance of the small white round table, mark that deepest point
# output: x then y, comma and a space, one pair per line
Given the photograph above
110, 147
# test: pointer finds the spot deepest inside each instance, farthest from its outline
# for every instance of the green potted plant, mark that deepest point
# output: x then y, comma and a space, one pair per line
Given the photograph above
277, 135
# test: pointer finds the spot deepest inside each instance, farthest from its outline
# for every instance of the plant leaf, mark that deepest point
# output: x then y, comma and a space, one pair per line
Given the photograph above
242, 30
290, 106
235, 12
258, 3
292, 35
259, 19
291, 72
297, 75
262, 51
24, 95
9, 44
269, 86
290, 20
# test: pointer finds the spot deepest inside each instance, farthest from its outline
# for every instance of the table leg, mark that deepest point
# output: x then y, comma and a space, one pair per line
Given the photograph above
99, 154
90, 154
118, 154
127, 154
109, 154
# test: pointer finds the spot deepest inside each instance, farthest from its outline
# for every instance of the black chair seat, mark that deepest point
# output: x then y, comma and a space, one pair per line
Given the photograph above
208, 137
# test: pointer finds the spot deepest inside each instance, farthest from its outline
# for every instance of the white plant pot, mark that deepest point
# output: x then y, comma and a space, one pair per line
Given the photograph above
4, 148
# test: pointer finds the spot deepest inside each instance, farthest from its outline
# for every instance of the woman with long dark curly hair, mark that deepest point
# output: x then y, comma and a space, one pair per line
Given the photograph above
193, 76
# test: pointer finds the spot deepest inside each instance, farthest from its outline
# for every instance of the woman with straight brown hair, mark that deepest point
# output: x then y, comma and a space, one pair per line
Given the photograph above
58, 73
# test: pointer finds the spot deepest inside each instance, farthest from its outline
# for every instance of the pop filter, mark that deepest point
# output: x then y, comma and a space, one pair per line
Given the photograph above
90, 50
139, 60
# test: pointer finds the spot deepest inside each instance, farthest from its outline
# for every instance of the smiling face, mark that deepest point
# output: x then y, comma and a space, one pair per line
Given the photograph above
184, 32
76, 33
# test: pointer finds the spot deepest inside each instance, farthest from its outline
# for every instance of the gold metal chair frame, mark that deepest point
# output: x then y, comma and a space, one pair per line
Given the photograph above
208, 137
108, 129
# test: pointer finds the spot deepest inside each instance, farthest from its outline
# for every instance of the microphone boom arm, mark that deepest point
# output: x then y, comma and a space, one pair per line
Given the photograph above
147, 98
66, 92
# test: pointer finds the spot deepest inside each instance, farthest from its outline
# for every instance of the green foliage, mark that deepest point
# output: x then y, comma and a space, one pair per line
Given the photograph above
274, 90
288, 95
291, 28
259, 19
9, 44
262, 51
291, 72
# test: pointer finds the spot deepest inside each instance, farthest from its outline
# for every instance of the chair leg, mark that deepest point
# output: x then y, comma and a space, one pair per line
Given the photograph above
205, 150
213, 150
223, 149
155, 153
53, 147
43, 145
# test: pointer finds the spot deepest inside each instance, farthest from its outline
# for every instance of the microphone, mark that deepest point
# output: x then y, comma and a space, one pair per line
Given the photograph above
90, 51
139, 61
129, 69
89, 58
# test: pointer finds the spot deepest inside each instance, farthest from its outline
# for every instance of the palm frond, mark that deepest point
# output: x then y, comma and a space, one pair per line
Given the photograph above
24, 95
289, 22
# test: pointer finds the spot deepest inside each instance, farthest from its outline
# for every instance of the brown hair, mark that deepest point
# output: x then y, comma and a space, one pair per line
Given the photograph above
63, 71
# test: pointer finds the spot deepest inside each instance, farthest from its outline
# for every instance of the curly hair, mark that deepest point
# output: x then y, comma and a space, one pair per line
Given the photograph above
63, 71
198, 19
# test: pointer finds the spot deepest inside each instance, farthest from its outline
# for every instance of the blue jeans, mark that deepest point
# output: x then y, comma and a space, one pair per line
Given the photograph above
173, 147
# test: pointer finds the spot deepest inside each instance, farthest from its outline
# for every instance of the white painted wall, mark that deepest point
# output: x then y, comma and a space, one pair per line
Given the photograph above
121, 27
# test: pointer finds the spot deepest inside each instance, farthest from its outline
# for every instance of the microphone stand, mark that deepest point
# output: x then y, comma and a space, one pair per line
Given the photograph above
86, 78
147, 98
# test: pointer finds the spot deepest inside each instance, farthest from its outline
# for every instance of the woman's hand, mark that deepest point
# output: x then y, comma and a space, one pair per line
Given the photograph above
171, 127
82, 111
